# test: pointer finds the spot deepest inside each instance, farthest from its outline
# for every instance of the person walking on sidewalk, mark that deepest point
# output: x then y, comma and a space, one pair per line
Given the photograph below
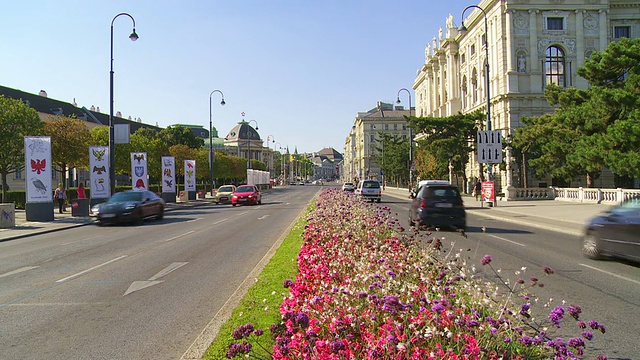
80, 191
477, 189
60, 195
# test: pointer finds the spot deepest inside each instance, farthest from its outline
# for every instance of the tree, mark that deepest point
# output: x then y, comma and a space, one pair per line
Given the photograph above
394, 156
17, 120
70, 141
178, 135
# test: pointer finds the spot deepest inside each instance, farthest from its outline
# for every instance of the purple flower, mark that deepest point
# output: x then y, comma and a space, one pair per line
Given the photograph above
437, 308
556, 315
587, 335
287, 283
548, 270
574, 311
485, 260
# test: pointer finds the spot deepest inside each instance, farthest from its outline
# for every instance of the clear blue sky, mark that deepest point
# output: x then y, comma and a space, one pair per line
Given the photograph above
302, 69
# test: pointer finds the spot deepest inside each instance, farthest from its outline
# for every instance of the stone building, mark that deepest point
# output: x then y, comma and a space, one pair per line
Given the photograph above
529, 43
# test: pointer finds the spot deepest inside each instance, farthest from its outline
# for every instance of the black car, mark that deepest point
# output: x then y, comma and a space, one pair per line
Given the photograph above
131, 206
437, 205
615, 233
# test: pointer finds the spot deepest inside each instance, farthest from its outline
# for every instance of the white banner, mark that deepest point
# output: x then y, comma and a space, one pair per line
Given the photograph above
99, 177
190, 175
168, 174
37, 160
139, 178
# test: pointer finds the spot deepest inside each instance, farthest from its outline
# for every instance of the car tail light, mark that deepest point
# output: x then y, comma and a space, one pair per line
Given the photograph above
423, 203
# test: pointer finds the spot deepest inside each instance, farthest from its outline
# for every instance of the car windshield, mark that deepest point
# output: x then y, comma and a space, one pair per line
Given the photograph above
225, 189
628, 208
126, 196
244, 189
348, 184
441, 192
371, 184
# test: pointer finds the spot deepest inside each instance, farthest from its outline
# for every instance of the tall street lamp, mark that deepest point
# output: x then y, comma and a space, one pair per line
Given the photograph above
270, 165
488, 81
249, 143
211, 159
279, 146
112, 148
410, 138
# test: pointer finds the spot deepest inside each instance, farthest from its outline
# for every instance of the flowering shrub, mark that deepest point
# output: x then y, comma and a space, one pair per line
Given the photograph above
368, 289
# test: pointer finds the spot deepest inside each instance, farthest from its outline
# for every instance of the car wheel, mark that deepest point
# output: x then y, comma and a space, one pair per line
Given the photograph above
592, 246
160, 214
378, 200
234, 204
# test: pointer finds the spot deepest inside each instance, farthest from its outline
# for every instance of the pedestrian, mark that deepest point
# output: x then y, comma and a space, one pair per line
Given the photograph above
477, 189
80, 191
60, 195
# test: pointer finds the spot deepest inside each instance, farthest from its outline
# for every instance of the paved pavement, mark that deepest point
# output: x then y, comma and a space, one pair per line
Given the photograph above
565, 217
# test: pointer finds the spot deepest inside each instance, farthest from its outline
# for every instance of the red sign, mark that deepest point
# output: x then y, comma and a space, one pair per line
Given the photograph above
74, 204
488, 191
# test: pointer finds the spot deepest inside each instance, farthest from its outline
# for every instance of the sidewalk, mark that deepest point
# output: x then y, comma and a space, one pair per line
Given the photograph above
24, 228
561, 216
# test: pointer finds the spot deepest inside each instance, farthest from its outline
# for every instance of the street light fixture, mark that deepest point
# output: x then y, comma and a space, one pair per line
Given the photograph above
410, 138
279, 146
270, 165
249, 143
211, 138
112, 148
488, 81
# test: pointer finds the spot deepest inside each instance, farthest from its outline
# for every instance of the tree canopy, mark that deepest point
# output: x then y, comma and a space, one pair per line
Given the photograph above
17, 120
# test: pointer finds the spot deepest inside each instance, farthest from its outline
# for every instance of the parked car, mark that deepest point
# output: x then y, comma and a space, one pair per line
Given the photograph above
246, 194
615, 233
348, 186
224, 193
369, 190
437, 205
131, 206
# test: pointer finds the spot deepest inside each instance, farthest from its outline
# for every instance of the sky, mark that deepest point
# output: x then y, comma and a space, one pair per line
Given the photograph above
302, 69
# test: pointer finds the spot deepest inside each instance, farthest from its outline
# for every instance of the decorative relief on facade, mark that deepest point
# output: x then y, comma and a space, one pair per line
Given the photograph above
522, 62
590, 23
557, 1
521, 23
544, 43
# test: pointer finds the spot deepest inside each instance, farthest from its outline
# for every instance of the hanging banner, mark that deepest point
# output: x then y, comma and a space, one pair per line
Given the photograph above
37, 159
190, 175
139, 178
168, 174
99, 177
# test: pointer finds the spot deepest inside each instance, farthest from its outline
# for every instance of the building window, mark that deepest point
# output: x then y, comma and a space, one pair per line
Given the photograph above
386, 127
372, 138
404, 126
555, 23
554, 66
395, 126
473, 49
621, 32
18, 174
462, 59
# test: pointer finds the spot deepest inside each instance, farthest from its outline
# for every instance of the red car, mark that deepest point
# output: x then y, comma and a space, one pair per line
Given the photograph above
246, 194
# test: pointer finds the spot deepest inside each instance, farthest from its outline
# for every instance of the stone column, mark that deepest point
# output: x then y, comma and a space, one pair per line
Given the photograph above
603, 26
579, 82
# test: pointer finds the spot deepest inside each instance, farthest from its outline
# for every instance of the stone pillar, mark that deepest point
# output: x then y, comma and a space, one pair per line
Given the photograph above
602, 27
579, 81
536, 81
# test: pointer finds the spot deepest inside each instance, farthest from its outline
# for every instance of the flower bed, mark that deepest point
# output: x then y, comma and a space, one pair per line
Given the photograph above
369, 289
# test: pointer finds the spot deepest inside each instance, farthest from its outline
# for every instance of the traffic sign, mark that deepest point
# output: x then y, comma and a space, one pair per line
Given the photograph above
489, 145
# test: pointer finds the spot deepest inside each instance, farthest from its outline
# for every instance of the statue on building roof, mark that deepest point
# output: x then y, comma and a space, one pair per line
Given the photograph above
450, 24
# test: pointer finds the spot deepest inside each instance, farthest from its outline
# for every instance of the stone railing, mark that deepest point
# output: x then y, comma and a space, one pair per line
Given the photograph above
583, 195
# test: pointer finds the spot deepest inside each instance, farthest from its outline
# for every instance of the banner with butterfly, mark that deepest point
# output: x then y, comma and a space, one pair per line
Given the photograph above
99, 172
190, 175
37, 159
139, 178
168, 174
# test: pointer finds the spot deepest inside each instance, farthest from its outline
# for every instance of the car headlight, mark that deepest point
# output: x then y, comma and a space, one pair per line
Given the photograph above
95, 209
130, 207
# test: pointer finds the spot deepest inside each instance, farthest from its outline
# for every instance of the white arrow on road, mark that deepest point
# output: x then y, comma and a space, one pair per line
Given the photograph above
139, 285
263, 217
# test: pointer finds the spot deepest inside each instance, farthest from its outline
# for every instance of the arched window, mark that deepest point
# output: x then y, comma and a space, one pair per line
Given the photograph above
554, 66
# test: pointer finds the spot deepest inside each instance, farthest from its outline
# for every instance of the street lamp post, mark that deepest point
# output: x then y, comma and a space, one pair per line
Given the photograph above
410, 138
279, 146
270, 166
488, 81
211, 138
249, 143
112, 148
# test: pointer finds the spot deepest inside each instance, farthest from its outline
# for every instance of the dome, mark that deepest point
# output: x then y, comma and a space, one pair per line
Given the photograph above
242, 131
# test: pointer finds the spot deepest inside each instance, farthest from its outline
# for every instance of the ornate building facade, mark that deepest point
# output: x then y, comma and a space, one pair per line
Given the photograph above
530, 43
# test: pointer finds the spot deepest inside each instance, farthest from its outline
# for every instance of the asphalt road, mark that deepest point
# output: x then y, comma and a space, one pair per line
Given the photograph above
607, 291
135, 292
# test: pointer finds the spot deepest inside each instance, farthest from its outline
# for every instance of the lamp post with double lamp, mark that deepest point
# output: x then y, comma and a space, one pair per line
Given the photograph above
270, 166
488, 80
211, 138
249, 143
410, 139
279, 146
112, 148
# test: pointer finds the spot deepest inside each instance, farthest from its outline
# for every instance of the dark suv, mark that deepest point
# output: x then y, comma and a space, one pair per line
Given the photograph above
437, 205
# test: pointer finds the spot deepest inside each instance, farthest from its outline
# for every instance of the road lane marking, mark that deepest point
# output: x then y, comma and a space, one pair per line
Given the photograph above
91, 269
192, 220
17, 271
181, 235
73, 242
507, 240
263, 217
139, 285
219, 221
610, 273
